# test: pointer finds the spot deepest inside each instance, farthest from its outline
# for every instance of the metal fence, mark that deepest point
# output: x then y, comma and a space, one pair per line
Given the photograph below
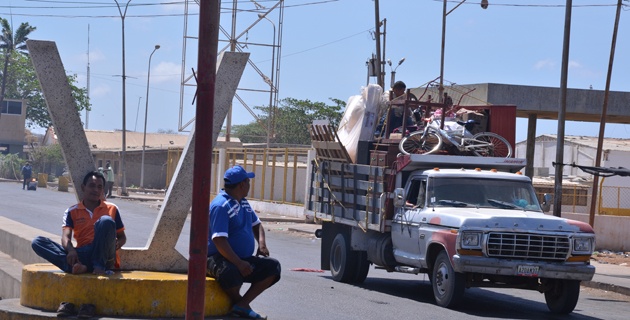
280, 172
614, 201
611, 200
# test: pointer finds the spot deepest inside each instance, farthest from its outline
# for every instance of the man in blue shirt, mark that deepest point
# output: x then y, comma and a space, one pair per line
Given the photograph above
234, 230
27, 171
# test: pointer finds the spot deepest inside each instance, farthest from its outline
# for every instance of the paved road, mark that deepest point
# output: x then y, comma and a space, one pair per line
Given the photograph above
44, 208
312, 295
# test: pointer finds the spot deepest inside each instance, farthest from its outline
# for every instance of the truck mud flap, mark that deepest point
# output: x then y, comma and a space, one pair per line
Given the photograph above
328, 233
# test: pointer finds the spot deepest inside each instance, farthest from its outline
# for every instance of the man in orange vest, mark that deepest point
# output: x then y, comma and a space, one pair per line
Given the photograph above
98, 231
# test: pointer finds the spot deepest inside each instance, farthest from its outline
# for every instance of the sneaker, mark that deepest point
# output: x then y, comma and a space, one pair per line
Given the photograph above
86, 311
66, 309
246, 313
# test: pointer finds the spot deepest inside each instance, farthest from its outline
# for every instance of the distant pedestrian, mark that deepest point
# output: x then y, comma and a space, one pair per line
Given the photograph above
27, 172
109, 176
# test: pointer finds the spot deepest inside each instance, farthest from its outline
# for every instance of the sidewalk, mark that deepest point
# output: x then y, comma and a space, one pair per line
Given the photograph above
609, 277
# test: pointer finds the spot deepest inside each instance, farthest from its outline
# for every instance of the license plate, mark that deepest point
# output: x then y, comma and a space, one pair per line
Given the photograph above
527, 271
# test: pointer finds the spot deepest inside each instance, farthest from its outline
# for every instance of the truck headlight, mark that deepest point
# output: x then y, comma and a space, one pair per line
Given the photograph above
582, 245
471, 240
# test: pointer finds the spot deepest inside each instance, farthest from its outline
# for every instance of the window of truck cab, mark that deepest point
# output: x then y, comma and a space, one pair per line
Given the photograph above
483, 193
416, 192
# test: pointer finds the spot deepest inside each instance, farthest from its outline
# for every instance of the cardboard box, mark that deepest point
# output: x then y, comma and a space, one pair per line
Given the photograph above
480, 118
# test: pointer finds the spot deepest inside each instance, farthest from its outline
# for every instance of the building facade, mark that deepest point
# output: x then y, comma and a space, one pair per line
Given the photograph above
12, 126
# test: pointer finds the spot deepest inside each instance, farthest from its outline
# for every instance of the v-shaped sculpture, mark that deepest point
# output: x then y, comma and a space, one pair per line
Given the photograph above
160, 253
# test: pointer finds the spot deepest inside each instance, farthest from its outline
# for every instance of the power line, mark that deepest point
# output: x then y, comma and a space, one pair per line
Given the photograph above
535, 5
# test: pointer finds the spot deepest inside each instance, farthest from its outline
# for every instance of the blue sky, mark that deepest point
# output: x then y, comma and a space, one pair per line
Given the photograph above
325, 46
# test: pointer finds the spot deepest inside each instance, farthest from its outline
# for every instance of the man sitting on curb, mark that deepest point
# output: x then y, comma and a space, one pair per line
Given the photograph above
234, 230
98, 231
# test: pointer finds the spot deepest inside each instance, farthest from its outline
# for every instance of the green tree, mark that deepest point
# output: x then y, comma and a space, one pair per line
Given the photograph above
10, 43
20, 82
10, 166
48, 159
291, 121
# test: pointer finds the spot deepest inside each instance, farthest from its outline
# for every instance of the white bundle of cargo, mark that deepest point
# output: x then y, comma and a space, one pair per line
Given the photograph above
359, 119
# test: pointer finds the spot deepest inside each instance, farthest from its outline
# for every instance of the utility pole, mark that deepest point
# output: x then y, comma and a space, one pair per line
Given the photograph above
557, 199
377, 33
209, 24
123, 182
602, 121
87, 110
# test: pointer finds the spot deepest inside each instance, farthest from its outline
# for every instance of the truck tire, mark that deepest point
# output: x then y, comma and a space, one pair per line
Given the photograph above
563, 295
448, 285
363, 267
343, 261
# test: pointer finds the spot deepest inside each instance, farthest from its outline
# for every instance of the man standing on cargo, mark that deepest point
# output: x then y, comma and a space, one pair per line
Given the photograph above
234, 230
399, 90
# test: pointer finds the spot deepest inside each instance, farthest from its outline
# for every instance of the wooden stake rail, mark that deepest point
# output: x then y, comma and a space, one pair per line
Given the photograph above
327, 145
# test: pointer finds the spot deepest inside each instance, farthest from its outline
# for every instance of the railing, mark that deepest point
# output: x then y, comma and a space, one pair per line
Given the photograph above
614, 201
280, 172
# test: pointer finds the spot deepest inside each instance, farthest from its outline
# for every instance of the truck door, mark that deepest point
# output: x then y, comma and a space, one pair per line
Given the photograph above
406, 239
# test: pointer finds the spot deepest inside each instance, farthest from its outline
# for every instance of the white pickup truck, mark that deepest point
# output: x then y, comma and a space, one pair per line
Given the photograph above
464, 221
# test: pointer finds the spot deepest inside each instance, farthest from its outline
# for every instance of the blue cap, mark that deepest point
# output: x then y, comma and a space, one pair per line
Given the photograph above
236, 174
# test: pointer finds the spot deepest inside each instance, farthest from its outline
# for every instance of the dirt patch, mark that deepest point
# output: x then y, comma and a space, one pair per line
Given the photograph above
618, 258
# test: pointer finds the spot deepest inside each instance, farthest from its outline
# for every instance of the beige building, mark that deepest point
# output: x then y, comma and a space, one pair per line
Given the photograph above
12, 124
161, 154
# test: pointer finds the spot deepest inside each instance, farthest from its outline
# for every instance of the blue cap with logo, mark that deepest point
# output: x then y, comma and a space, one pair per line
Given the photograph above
236, 174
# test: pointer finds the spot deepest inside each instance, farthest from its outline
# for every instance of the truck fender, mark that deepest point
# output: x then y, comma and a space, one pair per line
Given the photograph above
441, 240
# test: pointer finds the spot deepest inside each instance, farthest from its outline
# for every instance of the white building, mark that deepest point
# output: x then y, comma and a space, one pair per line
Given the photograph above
582, 150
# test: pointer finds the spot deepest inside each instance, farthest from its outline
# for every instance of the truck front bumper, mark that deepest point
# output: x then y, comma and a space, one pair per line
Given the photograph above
493, 266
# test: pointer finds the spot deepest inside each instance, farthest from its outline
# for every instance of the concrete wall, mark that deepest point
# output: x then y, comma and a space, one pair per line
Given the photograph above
611, 231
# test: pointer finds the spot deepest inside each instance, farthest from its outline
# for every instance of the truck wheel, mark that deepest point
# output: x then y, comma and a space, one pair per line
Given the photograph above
563, 295
343, 261
363, 267
448, 285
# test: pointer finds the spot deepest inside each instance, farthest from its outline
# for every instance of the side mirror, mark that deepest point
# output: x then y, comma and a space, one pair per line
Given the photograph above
399, 197
546, 203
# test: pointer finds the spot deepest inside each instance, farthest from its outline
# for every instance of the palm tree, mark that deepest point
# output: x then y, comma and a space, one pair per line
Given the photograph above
9, 43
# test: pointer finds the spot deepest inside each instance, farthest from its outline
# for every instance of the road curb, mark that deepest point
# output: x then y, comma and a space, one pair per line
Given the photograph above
607, 287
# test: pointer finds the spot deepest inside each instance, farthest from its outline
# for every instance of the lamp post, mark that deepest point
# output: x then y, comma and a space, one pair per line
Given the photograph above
393, 71
271, 87
146, 114
484, 5
123, 183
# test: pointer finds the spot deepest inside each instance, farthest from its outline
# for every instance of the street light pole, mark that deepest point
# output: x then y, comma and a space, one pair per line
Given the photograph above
123, 183
441, 86
393, 71
271, 87
484, 5
146, 115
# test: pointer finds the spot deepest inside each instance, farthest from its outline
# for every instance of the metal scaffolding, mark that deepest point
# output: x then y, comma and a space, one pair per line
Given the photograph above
260, 87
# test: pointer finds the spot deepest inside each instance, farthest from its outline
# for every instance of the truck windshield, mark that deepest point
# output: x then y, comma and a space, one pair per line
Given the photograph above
489, 193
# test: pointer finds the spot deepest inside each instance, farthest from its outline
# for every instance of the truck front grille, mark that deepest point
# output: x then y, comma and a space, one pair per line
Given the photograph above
528, 246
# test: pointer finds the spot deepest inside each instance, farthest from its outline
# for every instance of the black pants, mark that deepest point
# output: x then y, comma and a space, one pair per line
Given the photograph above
108, 189
25, 182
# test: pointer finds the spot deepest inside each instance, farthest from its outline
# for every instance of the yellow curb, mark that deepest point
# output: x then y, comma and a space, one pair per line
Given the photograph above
124, 294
